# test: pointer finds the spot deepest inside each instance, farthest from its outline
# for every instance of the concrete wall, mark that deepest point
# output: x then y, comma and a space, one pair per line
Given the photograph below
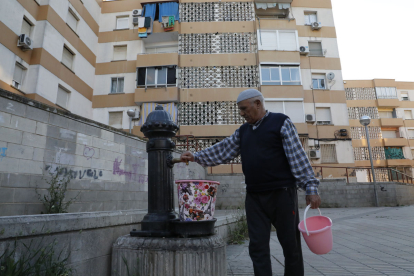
109, 168
334, 193
87, 237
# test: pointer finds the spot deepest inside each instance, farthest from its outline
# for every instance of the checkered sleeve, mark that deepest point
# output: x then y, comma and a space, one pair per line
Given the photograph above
298, 160
221, 152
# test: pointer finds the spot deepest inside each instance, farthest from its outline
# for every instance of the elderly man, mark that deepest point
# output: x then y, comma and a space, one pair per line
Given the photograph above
274, 163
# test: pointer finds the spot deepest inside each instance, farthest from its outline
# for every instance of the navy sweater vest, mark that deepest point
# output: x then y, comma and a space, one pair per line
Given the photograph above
264, 161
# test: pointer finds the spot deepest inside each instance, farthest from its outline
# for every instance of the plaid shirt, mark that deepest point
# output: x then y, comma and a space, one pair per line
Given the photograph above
229, 148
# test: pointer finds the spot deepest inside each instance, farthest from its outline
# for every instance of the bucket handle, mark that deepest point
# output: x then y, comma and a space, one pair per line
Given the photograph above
304, 220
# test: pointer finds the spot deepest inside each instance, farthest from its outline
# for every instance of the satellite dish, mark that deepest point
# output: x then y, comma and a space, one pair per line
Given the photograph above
330, 76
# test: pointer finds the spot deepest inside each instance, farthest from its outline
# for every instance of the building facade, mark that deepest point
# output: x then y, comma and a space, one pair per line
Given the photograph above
390, 105
98, 59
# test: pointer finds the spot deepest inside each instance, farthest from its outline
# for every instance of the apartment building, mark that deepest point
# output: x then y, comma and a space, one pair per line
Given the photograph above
100, 58
390, 105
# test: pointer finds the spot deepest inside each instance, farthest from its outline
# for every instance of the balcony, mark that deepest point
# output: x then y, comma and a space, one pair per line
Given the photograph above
196, 60
157, 59
392, 122
395, 142
391, 102
159, 95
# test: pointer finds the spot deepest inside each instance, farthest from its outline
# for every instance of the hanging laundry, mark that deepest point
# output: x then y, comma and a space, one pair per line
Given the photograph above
284, 5
141, 22
261, 6
142, 30
150, 10
147, 23
149, 30
271, 5
169, 9
143, 35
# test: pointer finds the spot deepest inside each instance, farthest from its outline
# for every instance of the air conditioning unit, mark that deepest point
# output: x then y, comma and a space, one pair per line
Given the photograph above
310, 118
315, 154
316, 25
137, 115
24, 42
136, 12
135, 21
304, 50
323, 123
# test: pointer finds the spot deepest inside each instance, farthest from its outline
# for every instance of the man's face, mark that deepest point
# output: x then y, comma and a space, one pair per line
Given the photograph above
249, 111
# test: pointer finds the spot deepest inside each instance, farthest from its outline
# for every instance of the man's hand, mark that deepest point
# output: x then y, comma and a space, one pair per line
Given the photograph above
313, 200
187, 156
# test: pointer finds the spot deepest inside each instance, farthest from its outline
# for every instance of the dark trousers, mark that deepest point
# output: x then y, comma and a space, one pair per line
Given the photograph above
280, 208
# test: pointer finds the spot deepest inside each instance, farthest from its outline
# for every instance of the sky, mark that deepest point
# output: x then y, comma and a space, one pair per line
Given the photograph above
375, 38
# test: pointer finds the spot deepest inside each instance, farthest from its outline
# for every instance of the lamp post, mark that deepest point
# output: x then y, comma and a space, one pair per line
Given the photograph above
365, 121
131, 114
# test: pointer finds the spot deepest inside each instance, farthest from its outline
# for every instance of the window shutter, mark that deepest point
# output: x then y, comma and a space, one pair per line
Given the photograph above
115, 119
411, 134
295, 111
307, 19
315, 48
26, 27
268, 40
328, 154
287, 41
122, 22
323, 114
120, 52
276, 107
120, 88
312, 18
389, 134
114, 83
67, 58
72, 20
18, 74
62, 97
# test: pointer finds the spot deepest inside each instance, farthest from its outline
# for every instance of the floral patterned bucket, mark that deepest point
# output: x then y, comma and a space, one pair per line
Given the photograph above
196, 199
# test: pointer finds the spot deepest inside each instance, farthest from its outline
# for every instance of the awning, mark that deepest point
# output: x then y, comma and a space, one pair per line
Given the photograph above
147, 108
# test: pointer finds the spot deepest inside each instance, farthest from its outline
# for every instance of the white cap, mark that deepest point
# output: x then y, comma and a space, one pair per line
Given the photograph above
248, 94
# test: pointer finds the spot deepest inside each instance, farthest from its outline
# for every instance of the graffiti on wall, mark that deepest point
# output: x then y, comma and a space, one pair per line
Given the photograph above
2, 153
80, 174
88, 152
131, 175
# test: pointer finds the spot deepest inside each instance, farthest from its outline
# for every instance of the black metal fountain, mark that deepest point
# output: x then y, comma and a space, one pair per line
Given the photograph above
165, 245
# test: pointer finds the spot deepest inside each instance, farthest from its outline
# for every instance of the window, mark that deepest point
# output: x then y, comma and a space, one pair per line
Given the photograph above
19, 72
278, 40
67, 57
72, 20
323, 116
115, 119
328, 154
315, 49
122, 22
62, 97
155, 50
386, 92
408, 114
280, 75
293, 109
318, 81
404, 96
26, 27
410, 133
387, 114
310, 17
157, 76
389, 134
117, 85
120, 52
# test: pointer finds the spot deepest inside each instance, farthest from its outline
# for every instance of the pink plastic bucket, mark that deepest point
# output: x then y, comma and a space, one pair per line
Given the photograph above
196, 199
317, 232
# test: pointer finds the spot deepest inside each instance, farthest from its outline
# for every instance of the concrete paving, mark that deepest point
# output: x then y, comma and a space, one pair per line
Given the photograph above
367, 241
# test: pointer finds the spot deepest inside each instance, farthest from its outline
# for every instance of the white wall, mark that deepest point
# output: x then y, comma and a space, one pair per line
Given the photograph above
54, 42
325, 16
339, 112
336, 84
328, 44
47, 87
344, 152
8, 61
108, 21
94, 9
106, 50
102, 114
83, 30
103, 83
11, 14
410, 94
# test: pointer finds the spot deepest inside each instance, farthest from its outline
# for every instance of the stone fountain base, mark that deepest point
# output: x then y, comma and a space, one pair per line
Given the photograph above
152, 256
